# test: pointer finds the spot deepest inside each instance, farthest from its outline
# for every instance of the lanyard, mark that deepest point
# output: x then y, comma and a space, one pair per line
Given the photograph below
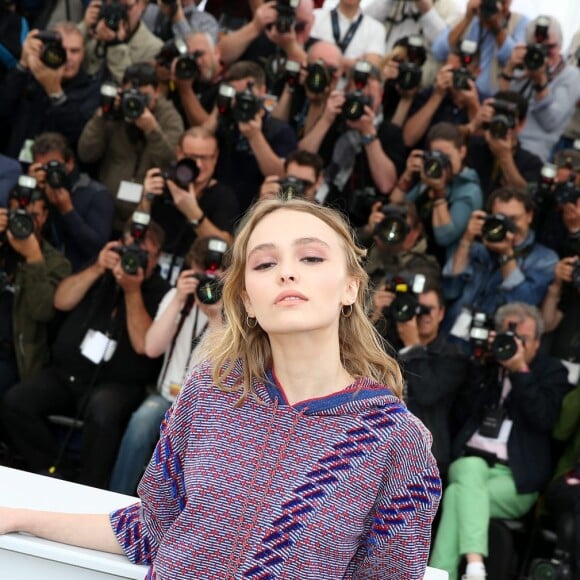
343, 44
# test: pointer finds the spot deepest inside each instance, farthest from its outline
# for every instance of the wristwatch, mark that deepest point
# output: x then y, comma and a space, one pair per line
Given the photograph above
504, 259
366, 139
196, 223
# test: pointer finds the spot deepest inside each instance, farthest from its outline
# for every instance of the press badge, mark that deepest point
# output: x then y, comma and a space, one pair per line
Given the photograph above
129, 191
462, 324
98, 347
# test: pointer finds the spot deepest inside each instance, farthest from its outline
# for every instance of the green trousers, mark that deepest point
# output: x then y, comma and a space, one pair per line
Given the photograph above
475, 493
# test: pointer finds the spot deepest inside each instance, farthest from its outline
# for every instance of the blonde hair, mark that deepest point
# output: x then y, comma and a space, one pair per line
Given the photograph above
361, 348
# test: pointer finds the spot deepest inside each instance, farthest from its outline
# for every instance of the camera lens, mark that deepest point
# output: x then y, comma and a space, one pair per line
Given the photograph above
20, 224
392, 230
494, 229
186, 171
317, 78
433, 168
504, 346
404, 307
534, 57
209, 290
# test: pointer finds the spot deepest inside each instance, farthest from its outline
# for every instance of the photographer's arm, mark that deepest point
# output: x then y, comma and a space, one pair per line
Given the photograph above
91, 531
510, 171
383, 170
138, 319
551, 314
268, 162
402, 111
74, 288
283, 105
161, 332
417, 125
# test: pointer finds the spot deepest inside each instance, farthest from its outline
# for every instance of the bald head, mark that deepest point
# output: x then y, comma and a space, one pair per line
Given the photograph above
328, 52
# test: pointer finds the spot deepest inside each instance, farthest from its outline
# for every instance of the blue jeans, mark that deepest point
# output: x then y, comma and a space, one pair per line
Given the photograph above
138, 443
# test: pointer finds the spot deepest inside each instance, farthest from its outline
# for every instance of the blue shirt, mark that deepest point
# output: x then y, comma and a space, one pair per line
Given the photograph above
482, 286
486, 84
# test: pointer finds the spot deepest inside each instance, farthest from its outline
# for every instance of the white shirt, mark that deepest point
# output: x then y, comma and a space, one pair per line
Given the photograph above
182, 358
368, 38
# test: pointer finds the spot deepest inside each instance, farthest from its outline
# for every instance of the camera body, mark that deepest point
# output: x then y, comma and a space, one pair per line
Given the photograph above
225, 99
53, 54
504, 345
133, 103
318, 77
182, 173
132, 255
435, 163
567, 191
496, 227
393, 229
186, 66
210, 287
246, 105
406, 304
504, 119
461, 78
488, 8
556, 568
56, 174
545, 186
113, 13
537, 52
292, 187
286, 10
462, 75
356, 101
20, 222
409, 77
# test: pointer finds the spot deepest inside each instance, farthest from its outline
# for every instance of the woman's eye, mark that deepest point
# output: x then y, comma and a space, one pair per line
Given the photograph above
313, 259
263, 265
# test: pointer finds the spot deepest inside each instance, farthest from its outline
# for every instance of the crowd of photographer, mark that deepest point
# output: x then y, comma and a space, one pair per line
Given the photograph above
133, 137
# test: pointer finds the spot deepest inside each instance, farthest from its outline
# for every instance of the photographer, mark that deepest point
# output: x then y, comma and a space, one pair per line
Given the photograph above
507, 265
254, 145
36, 97
495, 28
141, 131
497, 155
447, 193
433, 369
80, 209
353, 31
198, 97
302, 177
540, 74
99, 367
185, 320
504, 447
200, 206
30, 270
452, 99
560, 311
170, 19
115, 38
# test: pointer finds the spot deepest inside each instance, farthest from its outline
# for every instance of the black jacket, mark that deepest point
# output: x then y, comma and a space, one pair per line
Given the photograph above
533, 405
434, 374
26, 105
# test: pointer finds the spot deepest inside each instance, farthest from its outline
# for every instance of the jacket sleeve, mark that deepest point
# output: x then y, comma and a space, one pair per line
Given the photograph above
431, 377
93, 140
537, 395
396, 545
140, 528
93, 230
39, 282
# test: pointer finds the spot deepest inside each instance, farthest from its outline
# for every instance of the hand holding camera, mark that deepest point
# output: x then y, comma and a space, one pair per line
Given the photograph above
92, 12
333, 106
568, 271
186, 285
382, 300
265, 15
108, 258
129, 282
474, 226
146, 121
444, 80
508, 349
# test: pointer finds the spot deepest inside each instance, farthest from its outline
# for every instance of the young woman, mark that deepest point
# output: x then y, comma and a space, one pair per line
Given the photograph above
286, 454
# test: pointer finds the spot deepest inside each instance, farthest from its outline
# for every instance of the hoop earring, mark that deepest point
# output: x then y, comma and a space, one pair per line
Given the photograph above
249, 324
346, 310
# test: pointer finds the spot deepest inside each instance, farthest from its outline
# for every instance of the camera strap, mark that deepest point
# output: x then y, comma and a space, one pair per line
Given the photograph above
343, 44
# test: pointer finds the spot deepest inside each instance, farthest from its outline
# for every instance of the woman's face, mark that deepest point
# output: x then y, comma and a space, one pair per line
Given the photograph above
455, 155
295, 275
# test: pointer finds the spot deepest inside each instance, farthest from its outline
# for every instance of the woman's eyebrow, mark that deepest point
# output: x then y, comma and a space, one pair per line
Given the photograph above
297, 242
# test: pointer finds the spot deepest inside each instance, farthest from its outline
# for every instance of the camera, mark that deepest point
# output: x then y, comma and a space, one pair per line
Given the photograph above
186, 66
182, 173
246, 105
536, 53
504, 345
461, 76
394, 228
53, 54
567, 191
225, 99
360, 203
56, 174
292, 187
503, 120
20, 222
133, 256
209, 290
286, 18
406, 304
354, 105
479, 334
488, 8
108, 97
113, 13
410, 72
556, 568
546, 183
496, 227
292, 73
133, 103
435, 163
318, 77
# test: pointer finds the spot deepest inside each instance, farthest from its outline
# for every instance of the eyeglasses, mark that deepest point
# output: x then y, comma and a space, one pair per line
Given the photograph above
202, 158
